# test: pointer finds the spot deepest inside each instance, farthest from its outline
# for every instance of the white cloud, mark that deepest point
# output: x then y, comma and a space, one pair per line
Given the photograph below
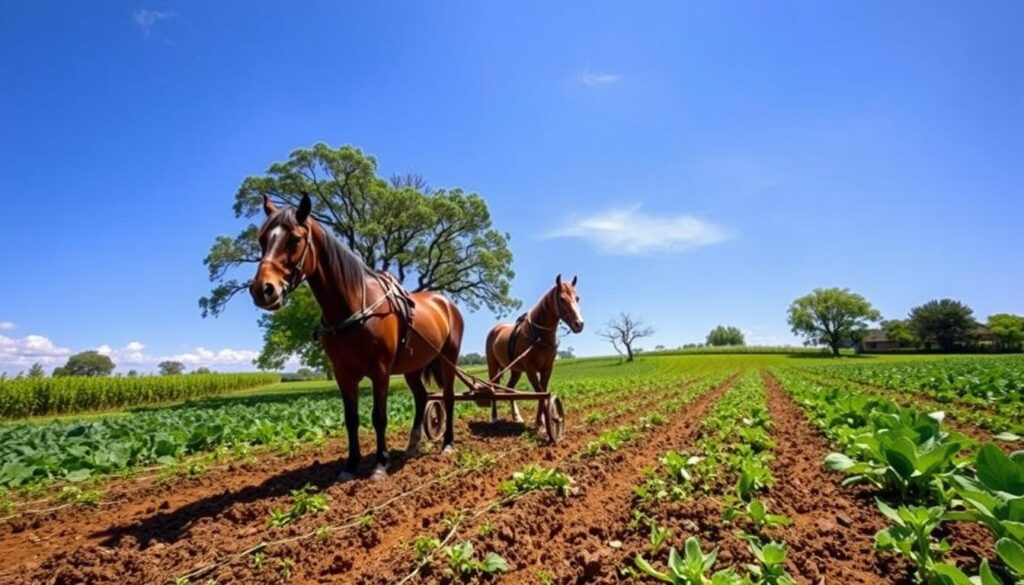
592, 78
147, 20
20, 353
6, 325
630, 231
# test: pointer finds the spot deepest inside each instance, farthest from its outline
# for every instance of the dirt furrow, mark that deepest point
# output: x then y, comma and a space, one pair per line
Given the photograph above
545, 535
162, 544
831, 539
32, 537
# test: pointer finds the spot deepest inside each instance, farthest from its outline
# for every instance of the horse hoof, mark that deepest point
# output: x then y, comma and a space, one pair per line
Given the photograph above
494, 419
346, 476
412, 450
448, 450
380, 473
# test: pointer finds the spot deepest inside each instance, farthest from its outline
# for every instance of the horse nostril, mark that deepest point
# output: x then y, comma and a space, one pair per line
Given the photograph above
268, 291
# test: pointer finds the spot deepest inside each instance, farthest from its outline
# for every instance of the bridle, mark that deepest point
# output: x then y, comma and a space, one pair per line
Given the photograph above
296, 274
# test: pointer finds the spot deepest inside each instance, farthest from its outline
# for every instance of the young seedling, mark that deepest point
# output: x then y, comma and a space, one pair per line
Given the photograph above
424, 546
691, 568
462, 562
534, 478
305, 501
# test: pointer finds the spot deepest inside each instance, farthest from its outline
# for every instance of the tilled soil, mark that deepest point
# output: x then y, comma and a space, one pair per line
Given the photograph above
154, 533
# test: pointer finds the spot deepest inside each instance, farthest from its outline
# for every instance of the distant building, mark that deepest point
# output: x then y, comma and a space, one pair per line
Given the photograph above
875, 340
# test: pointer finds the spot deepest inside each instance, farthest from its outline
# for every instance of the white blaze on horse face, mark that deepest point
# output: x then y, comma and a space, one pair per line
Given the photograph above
274, 239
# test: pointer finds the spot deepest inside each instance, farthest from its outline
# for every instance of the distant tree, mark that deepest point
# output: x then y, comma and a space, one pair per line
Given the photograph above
472, 359
899, 330
659, 347
202, 370
86, 363
132, 373
1008, 329
946, 322
623, 331
36, 371
59, 372
289, 332
831, 316
170, 368
307, 374
566, 354
723, 335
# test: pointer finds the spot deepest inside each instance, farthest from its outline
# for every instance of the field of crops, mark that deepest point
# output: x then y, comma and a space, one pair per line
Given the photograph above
694, 469
23, 397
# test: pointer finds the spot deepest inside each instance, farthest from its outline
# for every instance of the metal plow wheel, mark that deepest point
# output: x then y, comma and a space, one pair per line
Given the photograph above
433, 420
555, 418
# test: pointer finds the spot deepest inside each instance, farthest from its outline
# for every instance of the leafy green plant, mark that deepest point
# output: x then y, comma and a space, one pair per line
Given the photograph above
910, 535
75, 495
612, 440
424, 546
770, 557
462, 561
305, 501
691, 568
256, 562
658, 537
534, 478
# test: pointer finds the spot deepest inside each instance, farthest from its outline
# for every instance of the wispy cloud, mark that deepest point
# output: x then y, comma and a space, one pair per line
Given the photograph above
592, 78
631, 231
147, 20
6, 325
20, 353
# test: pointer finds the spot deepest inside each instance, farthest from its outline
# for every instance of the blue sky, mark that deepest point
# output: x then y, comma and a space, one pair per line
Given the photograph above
694, 164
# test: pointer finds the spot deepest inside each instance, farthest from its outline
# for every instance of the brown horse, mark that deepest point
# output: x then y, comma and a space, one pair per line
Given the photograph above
535, 332
362, 328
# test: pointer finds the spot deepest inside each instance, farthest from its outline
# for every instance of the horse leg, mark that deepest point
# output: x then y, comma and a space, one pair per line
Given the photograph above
448, 387
380, 424
534, 379
512, 381
419, 396
545, 377
492, 371
350, 399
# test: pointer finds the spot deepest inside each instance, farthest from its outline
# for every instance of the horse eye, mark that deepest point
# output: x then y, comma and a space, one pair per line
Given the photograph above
293, 239
577, 299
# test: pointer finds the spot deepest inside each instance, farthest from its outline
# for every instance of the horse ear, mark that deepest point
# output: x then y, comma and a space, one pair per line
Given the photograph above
574, 280
305, 206
558, 280
268, 206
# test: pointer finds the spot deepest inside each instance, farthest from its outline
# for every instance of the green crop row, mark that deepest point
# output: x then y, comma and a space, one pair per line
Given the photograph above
24, 397
994, 382
925, 476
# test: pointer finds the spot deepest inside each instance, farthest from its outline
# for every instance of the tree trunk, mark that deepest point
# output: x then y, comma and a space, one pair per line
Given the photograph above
835, 348
629, 353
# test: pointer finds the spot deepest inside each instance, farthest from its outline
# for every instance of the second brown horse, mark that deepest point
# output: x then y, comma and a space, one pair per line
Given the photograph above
534, 334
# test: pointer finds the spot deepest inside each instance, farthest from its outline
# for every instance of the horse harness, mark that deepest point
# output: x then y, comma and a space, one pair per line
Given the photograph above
533, 330
398, 300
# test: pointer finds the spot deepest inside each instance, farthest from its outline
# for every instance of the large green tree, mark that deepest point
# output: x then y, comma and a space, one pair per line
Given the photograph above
831, 316
1009, 330
170, 368
441, 240
723, 335
946, 322
86, 363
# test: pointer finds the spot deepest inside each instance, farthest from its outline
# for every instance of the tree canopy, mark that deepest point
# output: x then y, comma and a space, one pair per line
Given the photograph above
86, 363
1009, 330
723, 335
831, 316
899, 330
946, 322
440, 240
170, 368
